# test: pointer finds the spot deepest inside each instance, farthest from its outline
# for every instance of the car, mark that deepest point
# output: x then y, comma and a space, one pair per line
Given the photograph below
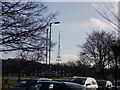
104, 85
55, 85
86, 81
25, 83
118, 85
45, 79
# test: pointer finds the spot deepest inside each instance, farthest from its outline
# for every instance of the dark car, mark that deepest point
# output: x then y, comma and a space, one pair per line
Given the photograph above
104, 85
56, 85
25, 83
118, 85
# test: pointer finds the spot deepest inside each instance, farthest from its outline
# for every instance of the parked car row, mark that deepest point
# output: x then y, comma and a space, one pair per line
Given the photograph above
107, 85
76, 83
46, 84
93, 84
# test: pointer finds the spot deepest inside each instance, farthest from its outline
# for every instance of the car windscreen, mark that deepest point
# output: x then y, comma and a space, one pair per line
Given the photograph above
79, 80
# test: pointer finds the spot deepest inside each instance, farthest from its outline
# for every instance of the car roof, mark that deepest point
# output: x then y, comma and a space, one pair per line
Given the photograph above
44, 79
117, 81
75, 77
27, 79
101, 80
60, 82
72, 83
36, 79
49, 81
80, 77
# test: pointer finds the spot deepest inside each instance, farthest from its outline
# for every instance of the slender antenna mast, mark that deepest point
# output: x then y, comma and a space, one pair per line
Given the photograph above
58, 55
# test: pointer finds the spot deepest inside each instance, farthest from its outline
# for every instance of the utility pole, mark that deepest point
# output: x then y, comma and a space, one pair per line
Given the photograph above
47, 27
50, 37
50, 42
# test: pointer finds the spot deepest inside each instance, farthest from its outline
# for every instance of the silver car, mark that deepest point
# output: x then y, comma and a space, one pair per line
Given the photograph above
86, 81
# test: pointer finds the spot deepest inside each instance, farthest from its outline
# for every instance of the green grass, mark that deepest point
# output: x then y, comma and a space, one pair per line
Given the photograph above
61, 79
13, 80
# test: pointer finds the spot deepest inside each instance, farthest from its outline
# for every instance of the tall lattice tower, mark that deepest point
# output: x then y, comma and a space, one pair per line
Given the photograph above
58, 54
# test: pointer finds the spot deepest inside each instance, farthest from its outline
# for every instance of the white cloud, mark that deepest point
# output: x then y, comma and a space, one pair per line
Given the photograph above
92, 23
98, 24
68, 56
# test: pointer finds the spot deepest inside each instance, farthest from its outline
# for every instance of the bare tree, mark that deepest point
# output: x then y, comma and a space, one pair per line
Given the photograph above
112, 15
23, 25
84, 59
97, 49
22, 56
26, 59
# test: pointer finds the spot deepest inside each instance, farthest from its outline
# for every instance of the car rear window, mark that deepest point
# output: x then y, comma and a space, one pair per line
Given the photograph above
79, 80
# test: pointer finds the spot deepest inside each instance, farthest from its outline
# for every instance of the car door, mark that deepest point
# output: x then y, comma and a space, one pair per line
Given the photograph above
45, 86
53, 86
59, 86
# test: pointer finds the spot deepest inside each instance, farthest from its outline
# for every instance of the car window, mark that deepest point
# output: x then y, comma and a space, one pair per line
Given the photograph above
59, 86
93, 83
118, 83
22, 83
51, 86
46, 86
101, 83
35, 86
